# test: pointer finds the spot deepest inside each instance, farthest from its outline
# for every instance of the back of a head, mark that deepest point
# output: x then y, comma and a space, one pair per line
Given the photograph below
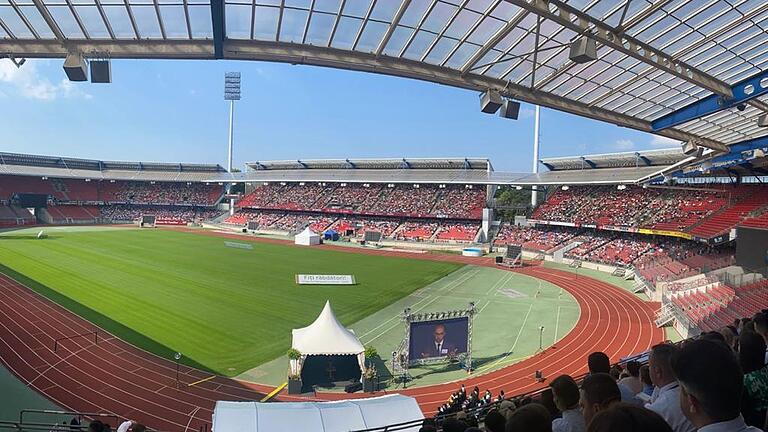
751, 351
600, 389
645, 375
709, 371
96, 426
530, 418
623, 417
138, 427
495, 421
566, 392
761, 323
429, 428
633, 367
714, 336
453, 425
598, 362
662, 355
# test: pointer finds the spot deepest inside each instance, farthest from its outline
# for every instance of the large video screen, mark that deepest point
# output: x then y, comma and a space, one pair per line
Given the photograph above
438, 338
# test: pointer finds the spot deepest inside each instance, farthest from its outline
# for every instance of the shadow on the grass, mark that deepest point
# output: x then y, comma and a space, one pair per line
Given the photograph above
100, 320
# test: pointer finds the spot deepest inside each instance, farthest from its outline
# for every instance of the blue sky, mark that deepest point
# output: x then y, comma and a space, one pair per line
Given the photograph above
173, 111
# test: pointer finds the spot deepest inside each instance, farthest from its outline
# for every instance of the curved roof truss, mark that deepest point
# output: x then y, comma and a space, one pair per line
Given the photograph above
654, 57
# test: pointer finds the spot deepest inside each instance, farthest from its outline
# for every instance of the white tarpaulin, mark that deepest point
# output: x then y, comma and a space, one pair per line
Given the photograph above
337, 416
307, 238
327, 336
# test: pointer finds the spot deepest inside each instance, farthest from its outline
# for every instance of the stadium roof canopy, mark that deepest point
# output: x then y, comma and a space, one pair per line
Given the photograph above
60, 167
686, 69
660, 157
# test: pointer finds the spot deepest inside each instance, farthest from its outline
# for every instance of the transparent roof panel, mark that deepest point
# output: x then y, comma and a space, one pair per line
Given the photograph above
488, 41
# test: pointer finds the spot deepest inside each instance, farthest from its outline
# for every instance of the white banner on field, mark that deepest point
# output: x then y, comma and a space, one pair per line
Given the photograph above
304, 279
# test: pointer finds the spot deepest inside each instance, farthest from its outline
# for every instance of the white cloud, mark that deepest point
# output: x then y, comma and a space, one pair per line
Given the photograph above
624, 144
28, 82
662, 141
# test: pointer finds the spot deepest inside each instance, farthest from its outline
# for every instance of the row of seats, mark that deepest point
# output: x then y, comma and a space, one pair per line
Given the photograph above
408, 230
451, 201
702, 211
133, 192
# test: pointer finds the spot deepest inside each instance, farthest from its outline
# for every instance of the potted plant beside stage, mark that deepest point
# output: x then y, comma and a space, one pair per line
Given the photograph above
369, 374
294, 372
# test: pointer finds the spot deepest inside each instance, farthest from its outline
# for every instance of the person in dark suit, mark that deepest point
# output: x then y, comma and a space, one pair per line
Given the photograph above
439, 346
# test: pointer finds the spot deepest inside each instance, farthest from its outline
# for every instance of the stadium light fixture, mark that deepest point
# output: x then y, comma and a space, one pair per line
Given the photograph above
762, 121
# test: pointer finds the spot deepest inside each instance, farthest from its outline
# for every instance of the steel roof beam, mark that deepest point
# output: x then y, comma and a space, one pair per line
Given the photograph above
392, 26
743, 92
49, 20
562, 14
494, 40
340, 59
219, 28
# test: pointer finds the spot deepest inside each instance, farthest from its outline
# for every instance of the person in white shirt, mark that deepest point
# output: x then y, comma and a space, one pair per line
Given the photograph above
131, 426
711, 383
665, 399
565, 393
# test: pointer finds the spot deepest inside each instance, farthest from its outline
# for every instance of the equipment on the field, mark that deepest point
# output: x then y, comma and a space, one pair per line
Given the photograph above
353, 387
372, 236
42, 235
147, 221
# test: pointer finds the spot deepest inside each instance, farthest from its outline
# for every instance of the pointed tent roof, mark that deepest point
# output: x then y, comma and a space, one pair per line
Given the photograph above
306, 233
326, 336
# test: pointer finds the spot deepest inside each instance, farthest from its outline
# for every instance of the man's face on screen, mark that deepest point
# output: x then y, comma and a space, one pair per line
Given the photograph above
439, 333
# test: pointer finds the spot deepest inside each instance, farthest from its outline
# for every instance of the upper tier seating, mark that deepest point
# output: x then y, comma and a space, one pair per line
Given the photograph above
703, 211
452, 201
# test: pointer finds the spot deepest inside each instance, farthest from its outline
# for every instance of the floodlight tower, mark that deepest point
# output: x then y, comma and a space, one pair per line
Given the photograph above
536, 124
232, 94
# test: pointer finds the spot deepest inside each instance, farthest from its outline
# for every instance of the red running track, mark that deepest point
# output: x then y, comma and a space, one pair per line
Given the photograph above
114, 376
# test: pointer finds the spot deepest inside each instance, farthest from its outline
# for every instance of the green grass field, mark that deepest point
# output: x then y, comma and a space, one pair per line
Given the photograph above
227, 310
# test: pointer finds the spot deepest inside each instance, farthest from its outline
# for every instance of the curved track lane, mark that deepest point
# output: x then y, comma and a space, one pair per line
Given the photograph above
117, 377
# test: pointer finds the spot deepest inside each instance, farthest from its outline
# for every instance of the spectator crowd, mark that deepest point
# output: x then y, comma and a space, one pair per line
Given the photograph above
717, 382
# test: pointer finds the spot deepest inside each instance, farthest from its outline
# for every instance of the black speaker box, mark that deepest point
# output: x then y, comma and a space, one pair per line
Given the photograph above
353, 387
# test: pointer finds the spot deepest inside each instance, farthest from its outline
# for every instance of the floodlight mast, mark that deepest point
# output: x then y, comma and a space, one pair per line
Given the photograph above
536, 124
232, 94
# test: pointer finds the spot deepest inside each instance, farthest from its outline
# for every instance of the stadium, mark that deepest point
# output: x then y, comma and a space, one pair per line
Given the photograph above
408, 293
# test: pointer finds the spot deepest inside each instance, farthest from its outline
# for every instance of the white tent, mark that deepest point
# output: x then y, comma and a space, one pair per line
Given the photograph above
337, 416
307, 238
326, 336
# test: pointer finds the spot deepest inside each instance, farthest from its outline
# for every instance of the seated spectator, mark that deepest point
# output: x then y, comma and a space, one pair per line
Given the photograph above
598, 362
632, 381
131, 426
495, 421
566, 394
598, 392
645, 377
532, 417
547, 399
752, 360
623, 417
665, 399
761, 328
453, 425
711, 383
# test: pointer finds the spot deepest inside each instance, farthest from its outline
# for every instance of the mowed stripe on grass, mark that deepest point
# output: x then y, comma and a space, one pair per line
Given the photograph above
225, 309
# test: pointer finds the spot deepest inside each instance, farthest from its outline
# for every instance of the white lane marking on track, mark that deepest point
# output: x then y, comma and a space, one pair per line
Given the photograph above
520, 332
